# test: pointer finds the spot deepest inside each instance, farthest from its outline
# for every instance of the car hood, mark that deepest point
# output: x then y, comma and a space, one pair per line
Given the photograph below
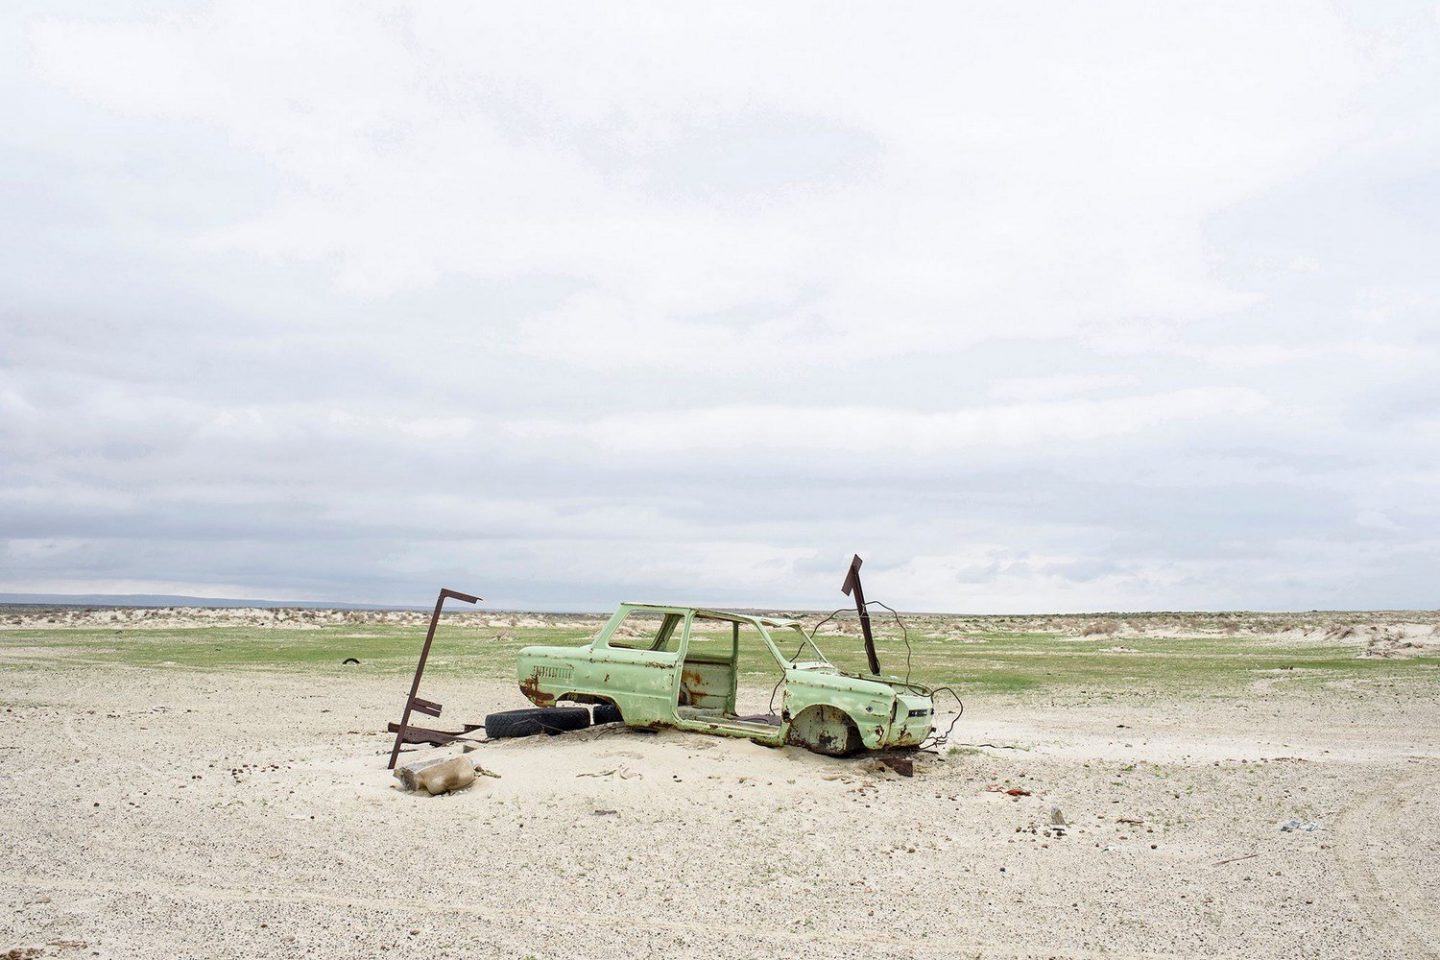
895, 683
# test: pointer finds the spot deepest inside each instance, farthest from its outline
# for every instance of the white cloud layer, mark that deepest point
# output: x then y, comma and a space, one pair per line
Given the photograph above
1039, 307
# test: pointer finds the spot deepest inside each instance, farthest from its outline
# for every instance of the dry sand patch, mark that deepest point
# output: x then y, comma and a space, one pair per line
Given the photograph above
164, 813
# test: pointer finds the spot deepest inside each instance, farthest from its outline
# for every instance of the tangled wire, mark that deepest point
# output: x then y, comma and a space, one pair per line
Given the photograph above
937, 740
904, 632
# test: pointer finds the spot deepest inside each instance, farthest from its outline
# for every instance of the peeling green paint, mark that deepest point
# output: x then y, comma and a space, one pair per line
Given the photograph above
665, 682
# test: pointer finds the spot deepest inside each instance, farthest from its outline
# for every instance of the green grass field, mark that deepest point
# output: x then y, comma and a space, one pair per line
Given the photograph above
989, 663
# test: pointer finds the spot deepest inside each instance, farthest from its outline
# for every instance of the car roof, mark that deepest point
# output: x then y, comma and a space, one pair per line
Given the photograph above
718, 614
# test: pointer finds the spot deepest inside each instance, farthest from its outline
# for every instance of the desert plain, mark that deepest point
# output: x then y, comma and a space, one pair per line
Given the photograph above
211, 783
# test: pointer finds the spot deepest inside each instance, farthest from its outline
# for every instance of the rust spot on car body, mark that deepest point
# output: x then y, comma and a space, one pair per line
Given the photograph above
692, 685
530, 686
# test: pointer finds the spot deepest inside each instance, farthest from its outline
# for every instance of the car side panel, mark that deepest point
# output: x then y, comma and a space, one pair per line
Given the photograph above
640, 682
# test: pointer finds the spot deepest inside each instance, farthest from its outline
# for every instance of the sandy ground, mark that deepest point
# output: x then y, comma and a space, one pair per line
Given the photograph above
170, 813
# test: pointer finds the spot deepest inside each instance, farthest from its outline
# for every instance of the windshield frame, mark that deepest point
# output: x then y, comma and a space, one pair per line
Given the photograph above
806, 640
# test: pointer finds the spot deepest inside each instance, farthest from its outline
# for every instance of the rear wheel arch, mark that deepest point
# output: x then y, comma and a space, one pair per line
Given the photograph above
600, 704
607, 711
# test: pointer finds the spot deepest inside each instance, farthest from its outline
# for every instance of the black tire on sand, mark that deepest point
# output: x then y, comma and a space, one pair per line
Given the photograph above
534, 720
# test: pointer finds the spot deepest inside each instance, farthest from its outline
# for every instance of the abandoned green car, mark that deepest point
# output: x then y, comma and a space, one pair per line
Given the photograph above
680, 667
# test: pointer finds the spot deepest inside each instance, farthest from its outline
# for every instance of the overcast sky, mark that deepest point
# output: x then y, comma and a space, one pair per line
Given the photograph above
1037, 307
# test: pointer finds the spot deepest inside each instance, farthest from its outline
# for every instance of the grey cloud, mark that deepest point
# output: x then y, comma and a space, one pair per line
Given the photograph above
565, 335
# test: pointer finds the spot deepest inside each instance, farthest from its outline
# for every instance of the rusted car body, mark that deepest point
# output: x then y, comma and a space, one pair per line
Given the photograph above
666, 666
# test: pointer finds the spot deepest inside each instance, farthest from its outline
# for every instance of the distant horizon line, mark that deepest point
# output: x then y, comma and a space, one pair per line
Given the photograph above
160, 601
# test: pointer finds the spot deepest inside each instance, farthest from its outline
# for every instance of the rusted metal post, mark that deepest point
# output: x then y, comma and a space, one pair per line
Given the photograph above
852, 585
413, 702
